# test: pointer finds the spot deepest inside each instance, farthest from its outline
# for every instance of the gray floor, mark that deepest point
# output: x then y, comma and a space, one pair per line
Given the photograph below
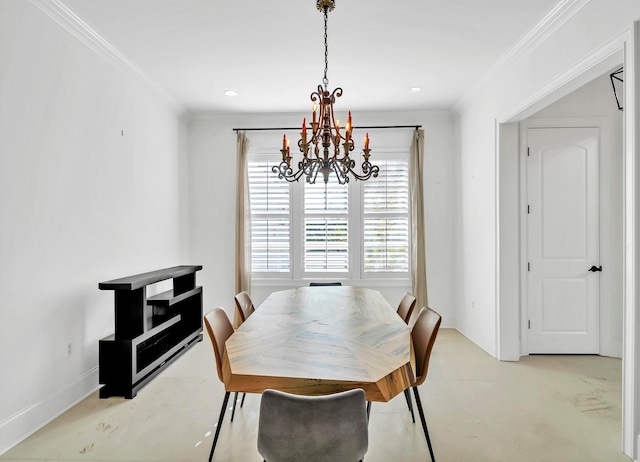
542, 408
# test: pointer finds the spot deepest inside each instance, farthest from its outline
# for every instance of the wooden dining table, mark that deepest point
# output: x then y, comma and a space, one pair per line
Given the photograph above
321, 340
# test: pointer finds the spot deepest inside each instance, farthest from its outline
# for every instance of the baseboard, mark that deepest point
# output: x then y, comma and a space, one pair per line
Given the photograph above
30, 419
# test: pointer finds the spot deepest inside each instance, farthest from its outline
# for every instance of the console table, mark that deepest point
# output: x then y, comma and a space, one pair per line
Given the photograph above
150, 332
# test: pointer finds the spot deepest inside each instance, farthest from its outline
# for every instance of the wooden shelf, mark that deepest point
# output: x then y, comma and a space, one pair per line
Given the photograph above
140, 280
150, 333
169, 299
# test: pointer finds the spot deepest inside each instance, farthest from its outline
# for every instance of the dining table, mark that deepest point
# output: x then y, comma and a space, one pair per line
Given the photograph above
321, 340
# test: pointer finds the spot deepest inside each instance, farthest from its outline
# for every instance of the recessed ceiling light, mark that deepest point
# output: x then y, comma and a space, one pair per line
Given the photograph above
230, 93
414, 89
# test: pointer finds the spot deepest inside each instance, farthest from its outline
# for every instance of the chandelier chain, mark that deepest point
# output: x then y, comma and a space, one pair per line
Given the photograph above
325, 80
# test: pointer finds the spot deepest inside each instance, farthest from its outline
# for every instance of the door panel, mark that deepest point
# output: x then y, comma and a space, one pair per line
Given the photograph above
563, 240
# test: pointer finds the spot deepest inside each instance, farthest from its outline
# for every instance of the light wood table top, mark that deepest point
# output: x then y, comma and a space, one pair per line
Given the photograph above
321, 340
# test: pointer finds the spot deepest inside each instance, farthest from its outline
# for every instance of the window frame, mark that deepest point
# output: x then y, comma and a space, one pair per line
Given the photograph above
355, 217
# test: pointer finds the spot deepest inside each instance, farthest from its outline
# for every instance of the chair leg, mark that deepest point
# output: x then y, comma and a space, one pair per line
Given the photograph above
235, 402
368, 409
222, 411
407, 395
424, 422
244, 395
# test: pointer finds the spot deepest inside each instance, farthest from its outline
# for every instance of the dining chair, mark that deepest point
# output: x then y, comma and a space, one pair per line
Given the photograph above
324, 284
244, 308
406, 306
405, 309
220, 329
423, 335
324, 428
244, 305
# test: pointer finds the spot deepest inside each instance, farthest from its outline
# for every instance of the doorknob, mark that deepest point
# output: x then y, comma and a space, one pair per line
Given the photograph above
594, 268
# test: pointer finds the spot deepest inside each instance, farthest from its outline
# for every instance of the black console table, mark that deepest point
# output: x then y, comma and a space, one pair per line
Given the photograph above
150, 333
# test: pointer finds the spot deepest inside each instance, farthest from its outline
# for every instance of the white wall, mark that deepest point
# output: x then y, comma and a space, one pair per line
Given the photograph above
90, 190
564, 53
212, 145
520, 83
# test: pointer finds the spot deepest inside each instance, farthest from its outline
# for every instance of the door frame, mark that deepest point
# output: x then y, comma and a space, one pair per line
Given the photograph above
606, 347
507, 259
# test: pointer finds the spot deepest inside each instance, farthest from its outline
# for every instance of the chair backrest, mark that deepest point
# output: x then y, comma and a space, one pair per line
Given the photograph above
313, 428
406, 306
220, 329
244, 305
321, 284
424, 334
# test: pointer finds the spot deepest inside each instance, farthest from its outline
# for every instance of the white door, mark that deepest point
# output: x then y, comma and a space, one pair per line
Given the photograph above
563, 240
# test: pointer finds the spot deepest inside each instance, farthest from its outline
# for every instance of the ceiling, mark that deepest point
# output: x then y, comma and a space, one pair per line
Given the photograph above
272, 52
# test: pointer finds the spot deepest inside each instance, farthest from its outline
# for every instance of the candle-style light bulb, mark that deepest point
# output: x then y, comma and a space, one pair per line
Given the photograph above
304, 130
284, 141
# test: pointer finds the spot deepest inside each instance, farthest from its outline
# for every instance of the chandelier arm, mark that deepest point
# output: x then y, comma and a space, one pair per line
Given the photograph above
313, 172
341, 173
285, 172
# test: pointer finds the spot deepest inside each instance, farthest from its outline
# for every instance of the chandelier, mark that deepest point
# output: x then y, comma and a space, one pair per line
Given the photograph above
325, 132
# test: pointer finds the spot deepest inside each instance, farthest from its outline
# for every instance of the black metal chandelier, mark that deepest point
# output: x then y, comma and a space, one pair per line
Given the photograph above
325, 131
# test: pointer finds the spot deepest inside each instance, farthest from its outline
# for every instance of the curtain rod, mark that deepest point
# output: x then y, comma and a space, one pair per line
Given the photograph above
369, 127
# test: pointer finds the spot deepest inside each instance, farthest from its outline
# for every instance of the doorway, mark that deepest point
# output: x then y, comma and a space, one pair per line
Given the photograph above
563, 240
512, 325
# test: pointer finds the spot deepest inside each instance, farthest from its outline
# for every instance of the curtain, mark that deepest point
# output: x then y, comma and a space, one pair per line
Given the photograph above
418, 256
243, 221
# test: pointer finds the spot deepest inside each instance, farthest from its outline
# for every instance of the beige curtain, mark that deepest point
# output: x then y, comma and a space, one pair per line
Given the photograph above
243, 220
418, 256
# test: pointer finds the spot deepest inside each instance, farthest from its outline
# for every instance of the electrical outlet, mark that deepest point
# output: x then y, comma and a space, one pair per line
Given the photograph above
69, 349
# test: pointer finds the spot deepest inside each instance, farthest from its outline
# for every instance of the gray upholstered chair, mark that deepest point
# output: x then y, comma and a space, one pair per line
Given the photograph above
313, 428
423, 336
220, 329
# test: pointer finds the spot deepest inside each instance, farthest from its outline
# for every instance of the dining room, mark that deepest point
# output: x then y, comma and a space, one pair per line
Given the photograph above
127, 131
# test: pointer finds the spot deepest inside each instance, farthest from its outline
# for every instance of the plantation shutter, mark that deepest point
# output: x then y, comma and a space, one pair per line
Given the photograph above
386, 219
270, 219
326, 227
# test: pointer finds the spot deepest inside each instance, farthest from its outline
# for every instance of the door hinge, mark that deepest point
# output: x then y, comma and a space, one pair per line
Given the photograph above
529, 323
528, 153
528, 209
528, 266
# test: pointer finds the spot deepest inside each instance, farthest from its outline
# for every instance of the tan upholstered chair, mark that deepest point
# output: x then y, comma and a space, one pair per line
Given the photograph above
220, 329
313, 428
244, 308
405, 309
244, 305
423, 335
406, 306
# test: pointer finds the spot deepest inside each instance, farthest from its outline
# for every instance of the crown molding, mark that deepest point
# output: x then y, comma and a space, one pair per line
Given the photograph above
80, 29
551, 22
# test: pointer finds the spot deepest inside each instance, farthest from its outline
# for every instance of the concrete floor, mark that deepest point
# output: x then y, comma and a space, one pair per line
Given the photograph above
542, 408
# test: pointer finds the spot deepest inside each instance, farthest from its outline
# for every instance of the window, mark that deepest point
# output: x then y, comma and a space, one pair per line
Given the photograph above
326, 227
270, 220
354, 231
386, 219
